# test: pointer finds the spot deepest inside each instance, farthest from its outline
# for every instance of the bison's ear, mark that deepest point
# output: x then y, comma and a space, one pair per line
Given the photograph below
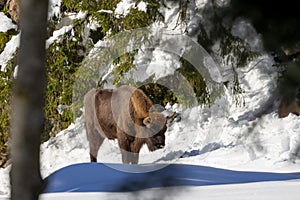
147, 121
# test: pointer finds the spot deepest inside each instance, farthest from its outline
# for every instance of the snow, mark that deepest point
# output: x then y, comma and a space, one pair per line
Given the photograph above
250, 191
64, 29
6, 23
54, 8
237, 141
142, 6
162, 64
106, 11
225, 135
4, 182
124, 6
58, 33
9, 51
10, 48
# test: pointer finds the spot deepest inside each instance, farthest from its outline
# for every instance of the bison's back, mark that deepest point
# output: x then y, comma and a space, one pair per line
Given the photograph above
107, 110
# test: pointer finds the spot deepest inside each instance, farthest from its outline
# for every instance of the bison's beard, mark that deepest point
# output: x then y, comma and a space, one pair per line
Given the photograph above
154, 145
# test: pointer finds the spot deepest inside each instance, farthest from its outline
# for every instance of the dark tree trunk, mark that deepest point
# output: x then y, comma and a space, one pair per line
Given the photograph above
28, 101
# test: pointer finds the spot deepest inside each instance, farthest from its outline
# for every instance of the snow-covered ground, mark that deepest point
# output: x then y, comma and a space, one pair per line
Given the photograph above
237, 140
251, 191
226, 136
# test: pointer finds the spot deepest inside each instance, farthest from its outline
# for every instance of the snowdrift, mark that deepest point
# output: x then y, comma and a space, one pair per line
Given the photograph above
98, 177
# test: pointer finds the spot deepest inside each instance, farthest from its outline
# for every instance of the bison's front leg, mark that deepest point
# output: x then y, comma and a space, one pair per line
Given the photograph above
129, 156
125, 142
125, 151
135, 158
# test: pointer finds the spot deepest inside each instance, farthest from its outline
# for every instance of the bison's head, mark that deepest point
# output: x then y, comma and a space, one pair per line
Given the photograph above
156, 123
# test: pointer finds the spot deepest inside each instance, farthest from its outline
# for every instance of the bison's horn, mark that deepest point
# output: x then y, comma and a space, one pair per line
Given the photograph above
147, 121
171, 116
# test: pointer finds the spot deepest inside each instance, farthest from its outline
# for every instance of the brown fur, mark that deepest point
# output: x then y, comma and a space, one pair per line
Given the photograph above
105, 117
287, 106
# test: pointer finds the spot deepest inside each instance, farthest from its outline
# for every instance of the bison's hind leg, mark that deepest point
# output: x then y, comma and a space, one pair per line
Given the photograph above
95, 143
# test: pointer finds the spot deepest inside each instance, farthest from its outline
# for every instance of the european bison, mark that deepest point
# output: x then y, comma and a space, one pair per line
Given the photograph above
125, 114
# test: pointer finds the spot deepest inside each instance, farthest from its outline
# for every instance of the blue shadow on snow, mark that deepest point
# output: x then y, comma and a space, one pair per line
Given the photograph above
97, 177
